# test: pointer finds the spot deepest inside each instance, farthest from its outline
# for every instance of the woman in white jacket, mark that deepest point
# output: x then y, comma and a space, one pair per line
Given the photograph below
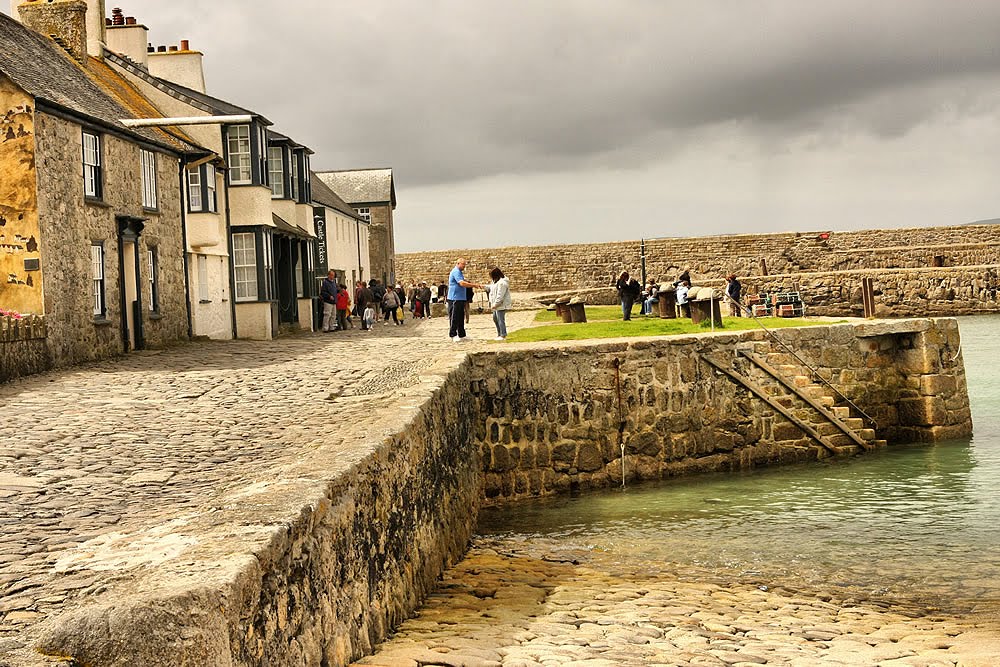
500, 301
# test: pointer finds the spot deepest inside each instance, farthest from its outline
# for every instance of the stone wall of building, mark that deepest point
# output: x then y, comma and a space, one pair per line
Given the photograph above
550, 418
20, 289
381, 245
562, 267
69, 225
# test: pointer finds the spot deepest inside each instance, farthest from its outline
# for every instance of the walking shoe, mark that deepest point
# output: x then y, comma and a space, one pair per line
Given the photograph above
499, 338
456, 339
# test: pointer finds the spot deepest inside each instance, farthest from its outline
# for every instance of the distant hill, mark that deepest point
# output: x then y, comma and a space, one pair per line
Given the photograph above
991, 221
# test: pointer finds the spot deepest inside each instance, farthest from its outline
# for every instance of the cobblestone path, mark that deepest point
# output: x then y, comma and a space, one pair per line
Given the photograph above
93, 456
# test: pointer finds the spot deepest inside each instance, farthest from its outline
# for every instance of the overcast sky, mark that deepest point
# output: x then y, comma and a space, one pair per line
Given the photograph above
525, 121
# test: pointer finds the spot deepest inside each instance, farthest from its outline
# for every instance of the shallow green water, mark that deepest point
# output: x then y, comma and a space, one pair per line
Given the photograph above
920, 521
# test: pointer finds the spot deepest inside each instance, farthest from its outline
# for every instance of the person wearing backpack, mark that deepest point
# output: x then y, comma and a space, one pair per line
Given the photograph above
625, 295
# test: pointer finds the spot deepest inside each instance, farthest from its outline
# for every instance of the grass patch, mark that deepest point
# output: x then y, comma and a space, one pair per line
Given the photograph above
606, 322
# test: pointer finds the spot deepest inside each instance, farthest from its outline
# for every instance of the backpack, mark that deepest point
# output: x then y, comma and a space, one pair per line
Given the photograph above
634, 287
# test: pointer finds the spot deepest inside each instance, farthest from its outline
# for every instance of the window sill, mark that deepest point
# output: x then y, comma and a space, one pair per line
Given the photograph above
156, 316
204, 301
154, 211
95, 201
102, 322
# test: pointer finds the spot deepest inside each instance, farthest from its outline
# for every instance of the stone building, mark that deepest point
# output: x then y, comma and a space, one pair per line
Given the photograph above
372, 193
342, 236
257, 210
90, 216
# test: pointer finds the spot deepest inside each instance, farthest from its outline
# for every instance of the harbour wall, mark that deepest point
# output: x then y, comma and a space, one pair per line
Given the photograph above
551, 418
592, 265
351, 546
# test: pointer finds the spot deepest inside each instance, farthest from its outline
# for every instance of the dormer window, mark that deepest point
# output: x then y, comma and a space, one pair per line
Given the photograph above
276, 170
240, 157
295, 175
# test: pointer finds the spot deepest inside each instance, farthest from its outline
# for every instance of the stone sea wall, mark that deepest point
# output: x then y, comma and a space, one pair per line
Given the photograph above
363, 540
551, 418
912, 292
580, 266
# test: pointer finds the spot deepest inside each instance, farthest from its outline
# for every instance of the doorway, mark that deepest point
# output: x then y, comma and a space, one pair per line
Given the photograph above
129, 230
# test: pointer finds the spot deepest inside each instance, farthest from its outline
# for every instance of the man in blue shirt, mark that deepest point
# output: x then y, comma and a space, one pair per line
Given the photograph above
457, 285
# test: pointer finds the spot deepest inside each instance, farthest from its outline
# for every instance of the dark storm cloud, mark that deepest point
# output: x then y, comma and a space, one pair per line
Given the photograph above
455, 90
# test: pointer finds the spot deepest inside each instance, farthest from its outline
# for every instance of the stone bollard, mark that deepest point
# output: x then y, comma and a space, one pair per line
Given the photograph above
668, 303
705, 306
439, 309
562, 309
577, 310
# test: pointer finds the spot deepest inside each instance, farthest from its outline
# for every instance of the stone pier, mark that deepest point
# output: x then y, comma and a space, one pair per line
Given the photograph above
290, 502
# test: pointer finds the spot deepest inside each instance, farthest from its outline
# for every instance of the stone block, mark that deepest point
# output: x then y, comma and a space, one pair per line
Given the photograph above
932, 385
924, 411
589, 457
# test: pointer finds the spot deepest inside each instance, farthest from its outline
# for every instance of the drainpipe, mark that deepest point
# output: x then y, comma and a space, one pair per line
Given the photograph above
229, 249
182, 172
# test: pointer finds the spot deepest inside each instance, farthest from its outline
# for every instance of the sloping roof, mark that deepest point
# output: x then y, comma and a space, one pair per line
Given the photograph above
45, 71
204, 101
130, 97
361, 186
282, 225
322, 194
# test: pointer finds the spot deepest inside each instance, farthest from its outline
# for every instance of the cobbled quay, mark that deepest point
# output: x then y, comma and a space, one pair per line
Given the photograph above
102, 465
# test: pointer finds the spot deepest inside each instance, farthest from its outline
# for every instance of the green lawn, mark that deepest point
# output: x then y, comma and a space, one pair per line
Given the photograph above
606, 322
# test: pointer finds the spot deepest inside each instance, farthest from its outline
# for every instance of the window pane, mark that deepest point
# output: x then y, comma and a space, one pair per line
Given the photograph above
194, 190
245, 266
276, 170
239, 154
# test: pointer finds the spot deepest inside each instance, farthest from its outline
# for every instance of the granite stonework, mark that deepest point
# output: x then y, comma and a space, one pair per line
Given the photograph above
352, 556
582, 266
74, 336
24, 348
355, 536
555, 419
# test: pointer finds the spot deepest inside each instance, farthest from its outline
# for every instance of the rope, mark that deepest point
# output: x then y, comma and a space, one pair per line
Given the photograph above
621, 414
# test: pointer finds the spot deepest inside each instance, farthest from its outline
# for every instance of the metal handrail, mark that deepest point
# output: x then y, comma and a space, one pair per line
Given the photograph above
802, 361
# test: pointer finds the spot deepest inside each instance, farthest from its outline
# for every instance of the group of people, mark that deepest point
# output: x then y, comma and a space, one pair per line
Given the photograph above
373, 298
631, 291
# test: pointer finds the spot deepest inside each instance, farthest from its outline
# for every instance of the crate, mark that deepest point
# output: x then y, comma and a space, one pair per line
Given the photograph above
759, 310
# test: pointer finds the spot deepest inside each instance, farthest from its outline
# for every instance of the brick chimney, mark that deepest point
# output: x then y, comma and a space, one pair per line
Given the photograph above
178, 64
63, 20
127, 37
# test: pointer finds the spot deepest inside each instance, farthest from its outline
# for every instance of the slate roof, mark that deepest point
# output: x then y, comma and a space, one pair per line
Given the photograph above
322, 194
45, 71
362, 186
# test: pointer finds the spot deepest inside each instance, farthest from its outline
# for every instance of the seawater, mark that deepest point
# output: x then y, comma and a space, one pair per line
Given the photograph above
918, 522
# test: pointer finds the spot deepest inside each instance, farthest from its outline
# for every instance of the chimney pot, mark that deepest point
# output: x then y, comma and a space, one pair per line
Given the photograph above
185, 45
107, 21
129, 20
161, 49
173, 47
150, 49
117, 18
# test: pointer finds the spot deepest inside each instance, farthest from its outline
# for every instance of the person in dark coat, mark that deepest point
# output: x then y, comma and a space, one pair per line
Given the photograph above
733, 290
625, 295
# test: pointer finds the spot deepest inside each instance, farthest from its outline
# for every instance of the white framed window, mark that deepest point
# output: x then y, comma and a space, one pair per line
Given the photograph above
92, 173
295, 176
154, 277
210, 199
148, 163
240, 171
276, 170
365, 213
203, 278
97, 279
195, 200
245, 266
